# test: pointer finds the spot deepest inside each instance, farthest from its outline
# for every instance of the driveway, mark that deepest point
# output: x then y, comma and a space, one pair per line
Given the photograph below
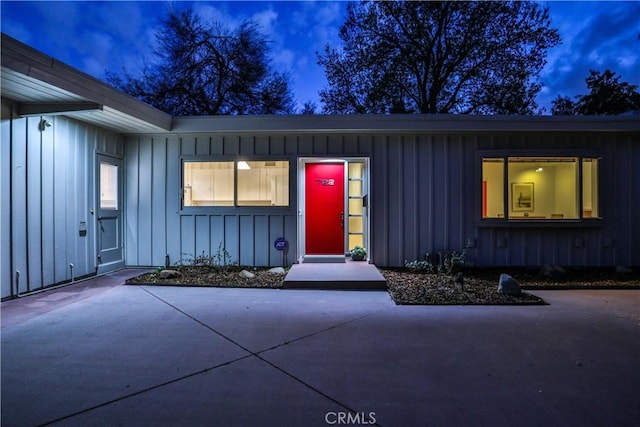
96, 354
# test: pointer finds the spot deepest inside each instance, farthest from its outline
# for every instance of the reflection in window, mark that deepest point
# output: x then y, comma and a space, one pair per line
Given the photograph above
539, 188
263, 183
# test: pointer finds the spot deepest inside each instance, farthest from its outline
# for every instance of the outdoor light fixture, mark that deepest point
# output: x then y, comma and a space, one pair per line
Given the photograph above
539, 169
242, 165
44, 123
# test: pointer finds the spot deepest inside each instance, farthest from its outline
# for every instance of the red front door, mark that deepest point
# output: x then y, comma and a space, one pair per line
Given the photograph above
324, 208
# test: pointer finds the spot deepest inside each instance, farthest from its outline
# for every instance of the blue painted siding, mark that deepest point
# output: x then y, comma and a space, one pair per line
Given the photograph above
425, 193
47, 190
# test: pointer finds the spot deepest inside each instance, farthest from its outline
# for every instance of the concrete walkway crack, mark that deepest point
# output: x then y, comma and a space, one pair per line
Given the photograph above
273, 365
256, 354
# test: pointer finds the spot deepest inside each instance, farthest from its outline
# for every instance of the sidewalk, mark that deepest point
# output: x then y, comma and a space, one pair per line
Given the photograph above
167, 356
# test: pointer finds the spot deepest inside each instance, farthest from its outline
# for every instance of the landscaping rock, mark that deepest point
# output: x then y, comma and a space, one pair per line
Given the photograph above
554, 272
621, 269
276, 270
509, 286
170, 274
247, 274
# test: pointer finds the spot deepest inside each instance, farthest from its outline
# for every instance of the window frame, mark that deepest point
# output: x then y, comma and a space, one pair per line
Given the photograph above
506, 221
190, 210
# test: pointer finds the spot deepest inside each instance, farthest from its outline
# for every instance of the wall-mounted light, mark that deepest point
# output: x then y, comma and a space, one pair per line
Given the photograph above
242, 165
539, 170
44, 123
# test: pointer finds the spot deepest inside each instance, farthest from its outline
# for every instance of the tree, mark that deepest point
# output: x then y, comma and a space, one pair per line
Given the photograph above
206, 69
607, 96
438, 57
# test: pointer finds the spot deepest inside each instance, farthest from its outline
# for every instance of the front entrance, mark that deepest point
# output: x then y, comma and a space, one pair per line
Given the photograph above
334, 208
324, 207
109, 214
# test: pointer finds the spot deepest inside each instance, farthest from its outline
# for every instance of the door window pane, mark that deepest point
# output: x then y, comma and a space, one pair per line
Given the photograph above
108, 186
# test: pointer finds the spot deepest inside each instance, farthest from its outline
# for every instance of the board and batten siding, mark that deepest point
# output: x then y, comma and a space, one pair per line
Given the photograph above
47, 190
425, 197
157, 225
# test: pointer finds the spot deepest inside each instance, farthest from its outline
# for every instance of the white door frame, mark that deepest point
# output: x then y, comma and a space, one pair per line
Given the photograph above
302, 162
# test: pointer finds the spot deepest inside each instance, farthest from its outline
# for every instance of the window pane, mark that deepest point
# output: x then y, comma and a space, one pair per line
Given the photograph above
590, 188
543, 188
263, 183
108, 186
355, 170
492, 188
208, 183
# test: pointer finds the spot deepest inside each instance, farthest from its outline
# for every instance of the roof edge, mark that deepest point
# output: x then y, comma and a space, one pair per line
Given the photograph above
402, 123
26, 60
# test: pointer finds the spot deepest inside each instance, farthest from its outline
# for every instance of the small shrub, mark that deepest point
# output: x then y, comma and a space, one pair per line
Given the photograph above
419, 266
455, 261
221, 260
359, 251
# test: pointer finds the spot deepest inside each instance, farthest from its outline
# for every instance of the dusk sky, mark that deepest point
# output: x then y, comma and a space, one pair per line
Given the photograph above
99, 36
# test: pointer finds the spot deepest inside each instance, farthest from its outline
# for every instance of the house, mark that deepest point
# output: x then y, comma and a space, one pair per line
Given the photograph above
93, 180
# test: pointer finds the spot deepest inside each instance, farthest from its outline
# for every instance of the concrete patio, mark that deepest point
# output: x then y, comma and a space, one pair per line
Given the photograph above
98, 353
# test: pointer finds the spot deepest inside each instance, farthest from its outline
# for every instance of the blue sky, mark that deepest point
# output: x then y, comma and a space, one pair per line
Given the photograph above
97, 36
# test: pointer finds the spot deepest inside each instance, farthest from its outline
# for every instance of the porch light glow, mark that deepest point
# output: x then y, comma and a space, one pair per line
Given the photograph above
242, 165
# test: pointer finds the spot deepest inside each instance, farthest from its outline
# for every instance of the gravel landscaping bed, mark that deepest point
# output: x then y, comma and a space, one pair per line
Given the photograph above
440, 289
212, 277
417, 288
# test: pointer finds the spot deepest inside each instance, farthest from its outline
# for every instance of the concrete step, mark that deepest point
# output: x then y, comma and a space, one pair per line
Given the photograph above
346, 275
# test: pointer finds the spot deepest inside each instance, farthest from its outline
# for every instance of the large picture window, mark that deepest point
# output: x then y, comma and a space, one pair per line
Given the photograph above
241, 183
540, 188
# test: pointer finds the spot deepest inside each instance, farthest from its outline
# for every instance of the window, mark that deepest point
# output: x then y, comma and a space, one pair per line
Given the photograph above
263, 183
259, 183
108, 186
539, 188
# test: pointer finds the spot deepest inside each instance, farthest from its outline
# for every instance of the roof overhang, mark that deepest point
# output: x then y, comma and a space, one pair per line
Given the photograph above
38, 85
404, 123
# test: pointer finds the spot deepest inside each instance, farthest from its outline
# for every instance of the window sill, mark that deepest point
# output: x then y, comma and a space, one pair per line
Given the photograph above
236, 210
540, 223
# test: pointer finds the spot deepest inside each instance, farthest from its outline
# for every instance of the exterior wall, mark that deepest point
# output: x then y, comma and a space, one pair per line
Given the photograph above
47, 189
425, 197
431, 201
156, 225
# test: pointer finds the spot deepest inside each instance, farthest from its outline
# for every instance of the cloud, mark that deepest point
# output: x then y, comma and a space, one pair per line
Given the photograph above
596, 35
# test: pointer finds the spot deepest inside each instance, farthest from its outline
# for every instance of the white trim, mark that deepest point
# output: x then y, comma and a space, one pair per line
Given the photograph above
302, 162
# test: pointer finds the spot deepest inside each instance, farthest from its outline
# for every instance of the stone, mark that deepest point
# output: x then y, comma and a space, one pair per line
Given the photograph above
170, 274
621, 269
509, 286
247, 274
554, 272
276, 270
